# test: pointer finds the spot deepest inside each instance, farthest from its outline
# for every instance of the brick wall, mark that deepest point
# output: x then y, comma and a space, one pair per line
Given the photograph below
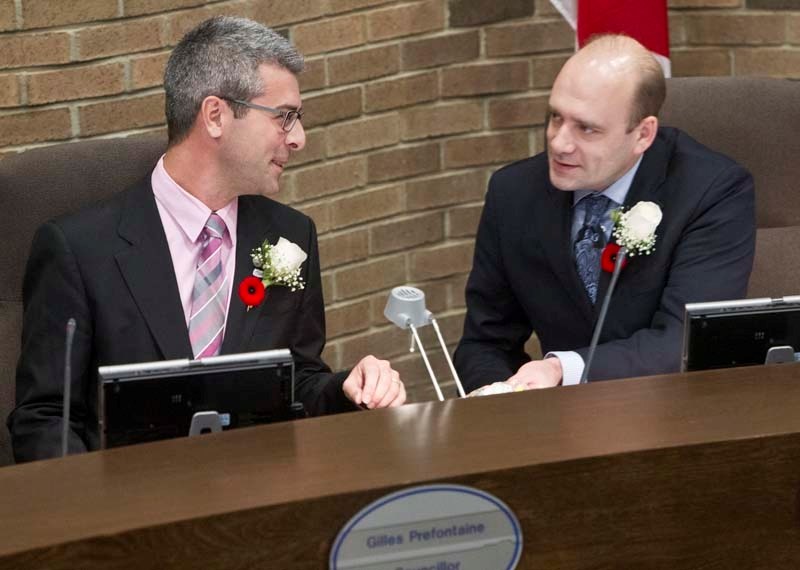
411, 105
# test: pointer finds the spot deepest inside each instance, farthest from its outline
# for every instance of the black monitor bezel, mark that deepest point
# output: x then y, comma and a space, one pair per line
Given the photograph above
750, 328
185, 378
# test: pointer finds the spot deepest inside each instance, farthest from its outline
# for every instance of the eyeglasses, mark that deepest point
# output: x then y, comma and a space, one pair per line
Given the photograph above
290, 118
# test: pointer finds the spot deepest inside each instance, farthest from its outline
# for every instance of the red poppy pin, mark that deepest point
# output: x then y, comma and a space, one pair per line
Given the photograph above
252, 291
609, 258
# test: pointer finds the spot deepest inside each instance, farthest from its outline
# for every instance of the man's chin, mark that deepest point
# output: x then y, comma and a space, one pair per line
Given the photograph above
265, 190
270, 190
269, 187
563, 182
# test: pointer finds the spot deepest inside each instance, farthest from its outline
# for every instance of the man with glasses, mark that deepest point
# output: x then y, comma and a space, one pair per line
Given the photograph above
289, 118
154, 273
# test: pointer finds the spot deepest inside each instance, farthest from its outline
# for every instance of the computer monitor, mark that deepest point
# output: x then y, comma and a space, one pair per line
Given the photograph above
724, 334
150, 401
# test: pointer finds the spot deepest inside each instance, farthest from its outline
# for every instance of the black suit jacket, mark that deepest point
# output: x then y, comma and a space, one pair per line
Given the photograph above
524, 279
110, 268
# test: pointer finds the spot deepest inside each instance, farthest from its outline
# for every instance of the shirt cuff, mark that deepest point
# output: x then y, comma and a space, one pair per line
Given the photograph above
571, 366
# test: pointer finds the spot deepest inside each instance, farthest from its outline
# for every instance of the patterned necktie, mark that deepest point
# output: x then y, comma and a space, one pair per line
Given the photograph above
590, 242
210, 294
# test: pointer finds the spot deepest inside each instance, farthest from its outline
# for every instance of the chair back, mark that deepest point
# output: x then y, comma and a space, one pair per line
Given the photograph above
42, 184
755, 121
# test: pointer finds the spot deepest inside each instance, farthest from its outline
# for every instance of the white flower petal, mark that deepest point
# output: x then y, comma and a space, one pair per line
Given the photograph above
641, 220
287, 256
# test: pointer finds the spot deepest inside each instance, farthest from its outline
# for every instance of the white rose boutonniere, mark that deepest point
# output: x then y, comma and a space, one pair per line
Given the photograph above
277, 264
635, 229
287, 257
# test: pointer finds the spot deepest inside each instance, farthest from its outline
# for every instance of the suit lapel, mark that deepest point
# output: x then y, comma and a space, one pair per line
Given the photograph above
645, 186
556, 218
146, 266
251, 230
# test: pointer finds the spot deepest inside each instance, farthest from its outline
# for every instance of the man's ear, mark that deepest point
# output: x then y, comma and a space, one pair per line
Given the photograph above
212, 111
646, 133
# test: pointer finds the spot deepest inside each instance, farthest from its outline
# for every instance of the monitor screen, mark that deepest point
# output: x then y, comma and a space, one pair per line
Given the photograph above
157, 400
723, 334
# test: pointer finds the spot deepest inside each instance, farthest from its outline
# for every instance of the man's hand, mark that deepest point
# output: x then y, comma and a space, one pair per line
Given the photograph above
537, 374
374, 384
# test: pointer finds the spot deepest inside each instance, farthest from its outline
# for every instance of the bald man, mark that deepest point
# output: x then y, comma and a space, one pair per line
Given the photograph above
546, 220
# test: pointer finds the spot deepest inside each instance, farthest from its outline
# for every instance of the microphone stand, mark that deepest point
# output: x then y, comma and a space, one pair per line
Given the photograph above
427, 362
449, 360
598, 327
71, 325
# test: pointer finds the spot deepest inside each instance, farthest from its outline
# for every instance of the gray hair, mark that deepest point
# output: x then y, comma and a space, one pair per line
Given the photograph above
221, 57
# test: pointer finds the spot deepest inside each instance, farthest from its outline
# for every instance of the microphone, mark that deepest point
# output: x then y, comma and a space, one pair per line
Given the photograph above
603, 310
71, 326
405, 307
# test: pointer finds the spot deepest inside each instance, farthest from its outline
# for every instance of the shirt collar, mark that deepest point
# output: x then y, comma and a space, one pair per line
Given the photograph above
189, 213
617, 192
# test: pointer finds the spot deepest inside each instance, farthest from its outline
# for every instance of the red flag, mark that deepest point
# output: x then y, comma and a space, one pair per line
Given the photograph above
643, 20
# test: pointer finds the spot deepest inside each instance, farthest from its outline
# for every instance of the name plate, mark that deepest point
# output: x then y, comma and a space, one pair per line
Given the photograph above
431, 527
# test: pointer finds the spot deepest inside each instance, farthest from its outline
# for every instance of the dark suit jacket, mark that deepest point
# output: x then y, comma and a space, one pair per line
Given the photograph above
110, 268
524, 279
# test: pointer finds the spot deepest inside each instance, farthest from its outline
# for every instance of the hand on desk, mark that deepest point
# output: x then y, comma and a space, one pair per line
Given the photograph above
536, 374
374, 384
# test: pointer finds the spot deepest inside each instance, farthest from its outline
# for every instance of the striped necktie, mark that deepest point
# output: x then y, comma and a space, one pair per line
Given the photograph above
210, 293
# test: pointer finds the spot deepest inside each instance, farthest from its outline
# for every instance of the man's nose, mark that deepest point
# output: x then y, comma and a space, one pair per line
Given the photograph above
561, 141
296, 138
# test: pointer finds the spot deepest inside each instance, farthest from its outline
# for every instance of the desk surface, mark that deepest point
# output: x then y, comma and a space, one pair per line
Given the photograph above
116, 491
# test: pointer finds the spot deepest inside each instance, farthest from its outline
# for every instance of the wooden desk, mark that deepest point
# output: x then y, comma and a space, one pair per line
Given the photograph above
684, 471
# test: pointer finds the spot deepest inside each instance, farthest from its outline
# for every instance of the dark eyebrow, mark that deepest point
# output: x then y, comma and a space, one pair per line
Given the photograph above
551, 111
583, 124
590, 125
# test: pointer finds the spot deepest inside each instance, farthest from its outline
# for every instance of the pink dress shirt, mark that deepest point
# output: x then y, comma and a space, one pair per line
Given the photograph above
183, 217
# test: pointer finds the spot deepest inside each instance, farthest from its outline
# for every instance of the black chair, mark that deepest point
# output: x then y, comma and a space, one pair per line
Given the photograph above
39, 185
755, 121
